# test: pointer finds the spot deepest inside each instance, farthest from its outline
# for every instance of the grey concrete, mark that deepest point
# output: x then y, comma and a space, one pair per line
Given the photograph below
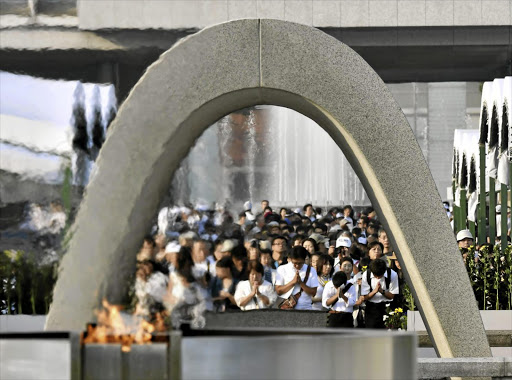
243, 63
467, 367
35, 358
336, 354
497, 324
102, 361
496, 338
342, 13
22, 323
266, 319
492, 320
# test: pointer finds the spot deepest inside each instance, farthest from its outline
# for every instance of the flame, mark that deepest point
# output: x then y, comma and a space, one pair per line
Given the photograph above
113, 328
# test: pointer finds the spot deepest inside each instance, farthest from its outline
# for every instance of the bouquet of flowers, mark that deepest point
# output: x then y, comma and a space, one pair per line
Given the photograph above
396, 319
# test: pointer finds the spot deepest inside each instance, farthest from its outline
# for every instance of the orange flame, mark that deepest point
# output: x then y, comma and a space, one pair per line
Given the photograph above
112, 328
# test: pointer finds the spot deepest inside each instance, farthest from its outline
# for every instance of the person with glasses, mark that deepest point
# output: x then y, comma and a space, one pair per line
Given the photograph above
290, 279
279, 250
362, 223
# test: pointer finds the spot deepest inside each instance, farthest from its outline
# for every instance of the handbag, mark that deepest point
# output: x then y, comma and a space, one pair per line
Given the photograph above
291, 301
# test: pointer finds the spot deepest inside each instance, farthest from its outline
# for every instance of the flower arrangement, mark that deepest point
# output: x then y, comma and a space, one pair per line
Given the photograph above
395, 319
489, 270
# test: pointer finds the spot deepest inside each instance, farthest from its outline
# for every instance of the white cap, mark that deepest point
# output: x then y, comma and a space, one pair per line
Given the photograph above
343, 241
248, 205
464, 234
173, 246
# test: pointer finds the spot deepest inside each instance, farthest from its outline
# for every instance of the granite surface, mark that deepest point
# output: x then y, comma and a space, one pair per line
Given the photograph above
248, 62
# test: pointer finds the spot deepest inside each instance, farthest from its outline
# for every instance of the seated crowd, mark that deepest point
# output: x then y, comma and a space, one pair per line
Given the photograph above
303, 259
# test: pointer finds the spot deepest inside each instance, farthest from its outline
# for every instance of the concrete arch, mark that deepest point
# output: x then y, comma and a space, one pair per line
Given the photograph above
247, 62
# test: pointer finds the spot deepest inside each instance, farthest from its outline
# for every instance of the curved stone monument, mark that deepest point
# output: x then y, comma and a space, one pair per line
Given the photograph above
239, 64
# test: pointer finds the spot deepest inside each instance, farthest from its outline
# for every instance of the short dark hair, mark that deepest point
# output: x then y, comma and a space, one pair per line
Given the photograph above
279, 237
287, 228
374, 224
225, 262
322, 227
378, 267
306, 206
150, 240
356, 231
298, 252
239, 252
256, 266
346, 259
355, 252
339, 278
300, 230
375, 243
298, 237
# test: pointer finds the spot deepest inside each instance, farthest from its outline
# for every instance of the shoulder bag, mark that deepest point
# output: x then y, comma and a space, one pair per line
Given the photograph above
291, 301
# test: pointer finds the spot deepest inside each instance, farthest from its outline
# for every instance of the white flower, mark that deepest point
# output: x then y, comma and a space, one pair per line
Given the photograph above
391, 312
386, 317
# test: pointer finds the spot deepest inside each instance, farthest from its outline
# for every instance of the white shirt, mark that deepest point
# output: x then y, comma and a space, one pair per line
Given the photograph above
243, 289
319, 292
340, 305
337, 266
199, 269
377, 298
286, 273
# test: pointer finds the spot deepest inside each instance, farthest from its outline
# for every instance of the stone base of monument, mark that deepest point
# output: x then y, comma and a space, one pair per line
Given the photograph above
498, 327
215, 354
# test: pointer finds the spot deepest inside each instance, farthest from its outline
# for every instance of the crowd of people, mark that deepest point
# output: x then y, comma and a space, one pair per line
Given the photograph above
336, 261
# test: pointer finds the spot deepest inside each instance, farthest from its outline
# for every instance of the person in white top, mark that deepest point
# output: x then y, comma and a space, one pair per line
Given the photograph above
339, 296
203, 263
343, 244
323, 266
290, 279
346, 265
255, 293
378, 286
